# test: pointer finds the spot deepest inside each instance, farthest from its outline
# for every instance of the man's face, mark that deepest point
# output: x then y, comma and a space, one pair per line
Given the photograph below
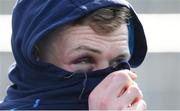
81, 48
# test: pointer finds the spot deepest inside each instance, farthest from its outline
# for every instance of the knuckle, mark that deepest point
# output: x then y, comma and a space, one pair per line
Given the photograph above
134, 89
121, 75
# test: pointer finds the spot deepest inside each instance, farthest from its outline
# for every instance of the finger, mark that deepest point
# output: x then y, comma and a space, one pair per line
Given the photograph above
105, 83
120, 81
140, 105
97, 94
133, 93
126, 87
131, 74
134, 75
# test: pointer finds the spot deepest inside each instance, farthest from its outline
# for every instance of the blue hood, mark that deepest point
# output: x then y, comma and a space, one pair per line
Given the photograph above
31, 21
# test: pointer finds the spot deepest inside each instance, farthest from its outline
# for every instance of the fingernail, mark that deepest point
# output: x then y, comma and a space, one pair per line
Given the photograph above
142, 105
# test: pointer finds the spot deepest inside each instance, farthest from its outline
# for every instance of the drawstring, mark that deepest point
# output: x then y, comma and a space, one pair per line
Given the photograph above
84, 85
84, 81
67, 77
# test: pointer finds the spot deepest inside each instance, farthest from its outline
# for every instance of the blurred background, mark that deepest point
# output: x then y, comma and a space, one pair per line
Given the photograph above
158, 76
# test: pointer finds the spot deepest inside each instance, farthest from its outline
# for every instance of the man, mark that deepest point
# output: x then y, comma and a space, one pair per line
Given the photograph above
75, 54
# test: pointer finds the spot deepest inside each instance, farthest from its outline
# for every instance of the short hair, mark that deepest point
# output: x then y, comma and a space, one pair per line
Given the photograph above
102, 21
105, 20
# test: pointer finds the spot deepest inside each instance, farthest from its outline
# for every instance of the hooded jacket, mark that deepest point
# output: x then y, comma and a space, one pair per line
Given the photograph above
44, 86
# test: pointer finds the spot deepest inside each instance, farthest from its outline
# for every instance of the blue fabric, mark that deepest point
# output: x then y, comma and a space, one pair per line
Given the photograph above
131, 36
59, 90
39, 85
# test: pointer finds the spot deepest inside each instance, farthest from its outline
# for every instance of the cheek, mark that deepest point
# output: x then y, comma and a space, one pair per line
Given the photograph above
76, 67
82, 67
67, 67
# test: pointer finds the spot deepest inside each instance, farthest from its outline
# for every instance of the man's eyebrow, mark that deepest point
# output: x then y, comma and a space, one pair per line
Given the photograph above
87, 48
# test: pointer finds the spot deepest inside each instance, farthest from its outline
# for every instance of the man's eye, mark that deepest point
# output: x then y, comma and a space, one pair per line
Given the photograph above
114, 63
84, 60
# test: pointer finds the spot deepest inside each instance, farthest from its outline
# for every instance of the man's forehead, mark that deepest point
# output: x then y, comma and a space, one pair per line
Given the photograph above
86, 31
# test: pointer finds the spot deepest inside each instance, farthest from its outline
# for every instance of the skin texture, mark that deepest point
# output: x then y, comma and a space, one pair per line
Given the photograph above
81, 48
